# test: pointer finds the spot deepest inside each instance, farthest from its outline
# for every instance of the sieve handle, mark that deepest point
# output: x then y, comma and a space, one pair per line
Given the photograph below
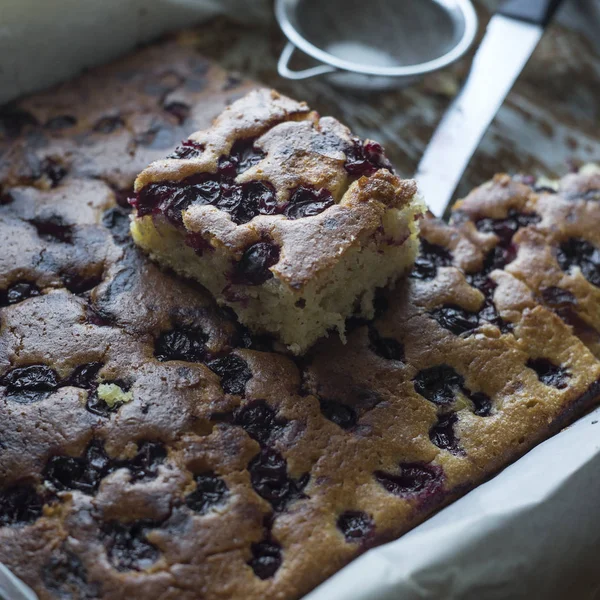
284, 69
539, 12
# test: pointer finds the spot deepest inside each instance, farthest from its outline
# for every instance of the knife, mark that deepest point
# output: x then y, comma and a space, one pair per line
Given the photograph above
510, 38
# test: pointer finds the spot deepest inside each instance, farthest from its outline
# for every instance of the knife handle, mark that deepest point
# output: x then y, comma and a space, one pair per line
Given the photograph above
539, 12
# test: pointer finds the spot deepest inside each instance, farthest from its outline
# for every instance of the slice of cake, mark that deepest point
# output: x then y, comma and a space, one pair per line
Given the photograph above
282, 215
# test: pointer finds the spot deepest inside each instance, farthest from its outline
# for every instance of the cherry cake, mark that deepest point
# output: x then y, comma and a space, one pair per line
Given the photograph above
152, 447
284, 216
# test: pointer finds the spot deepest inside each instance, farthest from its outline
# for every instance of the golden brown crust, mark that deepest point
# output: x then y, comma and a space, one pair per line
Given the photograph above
568, 212
233, 461
247, 118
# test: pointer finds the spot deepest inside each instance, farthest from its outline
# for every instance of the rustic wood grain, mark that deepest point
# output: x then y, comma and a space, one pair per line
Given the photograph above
549, 123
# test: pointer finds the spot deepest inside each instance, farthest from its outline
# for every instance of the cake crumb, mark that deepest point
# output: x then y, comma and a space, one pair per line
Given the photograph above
112, 394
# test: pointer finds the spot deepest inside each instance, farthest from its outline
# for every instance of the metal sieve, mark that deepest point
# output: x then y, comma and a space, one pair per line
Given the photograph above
375, 44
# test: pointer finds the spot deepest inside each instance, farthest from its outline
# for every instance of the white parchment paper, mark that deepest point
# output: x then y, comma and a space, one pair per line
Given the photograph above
532, 532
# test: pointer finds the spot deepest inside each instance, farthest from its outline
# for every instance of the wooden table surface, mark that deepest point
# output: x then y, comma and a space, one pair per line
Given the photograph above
549, 122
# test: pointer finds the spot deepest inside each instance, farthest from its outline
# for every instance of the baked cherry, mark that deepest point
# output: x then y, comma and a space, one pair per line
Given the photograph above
482, 403
82, 473
98, 407
262, 195
455, 319
580, 253
482, 282
54, 229
489, 313
234, 373
30, 384
266, 558
172, 198
549, 373
414, 479
84, 376
243, 155
259, 421
19, 505
246, 155
187, 149
181, 344
253, 268
248, 200
18, 292
80, 283
206, 192
144, 465
127, 546
499, 257
268, 474
242, 201
307, 202
365, 158
341, 414
429, 259
210, 491
557, 297
442, 433
355, 525
439, 384
506, 228
180, 198
385, 347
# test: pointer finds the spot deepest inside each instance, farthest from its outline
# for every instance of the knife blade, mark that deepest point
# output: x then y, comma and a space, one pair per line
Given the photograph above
506, 47
510, 39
